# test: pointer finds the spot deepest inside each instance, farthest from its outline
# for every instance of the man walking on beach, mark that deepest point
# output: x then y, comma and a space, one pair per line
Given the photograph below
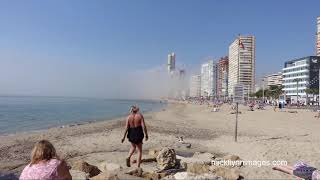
135, 131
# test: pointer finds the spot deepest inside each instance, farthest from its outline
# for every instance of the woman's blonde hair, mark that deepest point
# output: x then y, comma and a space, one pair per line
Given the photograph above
134, 109
43, 150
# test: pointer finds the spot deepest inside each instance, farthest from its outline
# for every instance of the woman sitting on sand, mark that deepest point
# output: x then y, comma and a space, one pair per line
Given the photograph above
300, 170
45, 164
135, 130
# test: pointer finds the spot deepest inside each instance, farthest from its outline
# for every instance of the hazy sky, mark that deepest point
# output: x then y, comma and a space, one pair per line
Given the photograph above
110, 48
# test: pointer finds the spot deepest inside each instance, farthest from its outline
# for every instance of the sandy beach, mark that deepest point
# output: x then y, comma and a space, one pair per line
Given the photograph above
263, 135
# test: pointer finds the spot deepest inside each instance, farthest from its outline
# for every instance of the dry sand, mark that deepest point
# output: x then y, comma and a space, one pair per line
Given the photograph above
264, 135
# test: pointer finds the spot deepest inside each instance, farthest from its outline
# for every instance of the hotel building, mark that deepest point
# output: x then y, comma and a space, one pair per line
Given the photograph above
209, 79
300, 74
273, 80
242, 61
222, 83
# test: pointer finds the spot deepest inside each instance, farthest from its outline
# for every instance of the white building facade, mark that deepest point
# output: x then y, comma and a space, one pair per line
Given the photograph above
242, 61
298, 75
209, 79
273, 80
195, 86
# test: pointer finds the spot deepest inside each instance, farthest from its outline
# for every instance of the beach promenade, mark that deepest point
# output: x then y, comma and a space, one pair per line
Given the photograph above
263, 135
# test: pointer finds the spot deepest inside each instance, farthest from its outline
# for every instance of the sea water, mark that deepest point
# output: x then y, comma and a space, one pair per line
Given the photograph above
23, 113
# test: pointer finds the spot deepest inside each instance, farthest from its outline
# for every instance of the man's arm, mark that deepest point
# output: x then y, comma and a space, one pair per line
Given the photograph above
126, 131
144, 127
284, 169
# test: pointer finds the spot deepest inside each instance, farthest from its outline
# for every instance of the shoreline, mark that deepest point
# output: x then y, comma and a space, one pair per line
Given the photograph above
79, 123
263, 135
71, 130
61, 127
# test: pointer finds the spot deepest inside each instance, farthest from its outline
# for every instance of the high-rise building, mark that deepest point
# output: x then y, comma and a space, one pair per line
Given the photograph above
171, 62
242, 63
300, 74
209, 79
272, 80
318, 36
222, 83
195, 86
177, 82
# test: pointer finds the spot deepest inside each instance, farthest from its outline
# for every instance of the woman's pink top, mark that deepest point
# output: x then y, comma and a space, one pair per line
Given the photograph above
43, 170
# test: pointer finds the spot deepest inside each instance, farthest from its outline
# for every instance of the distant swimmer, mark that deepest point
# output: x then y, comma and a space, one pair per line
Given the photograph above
135, 131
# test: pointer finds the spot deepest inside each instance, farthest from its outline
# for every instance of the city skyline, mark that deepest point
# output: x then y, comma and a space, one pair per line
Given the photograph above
75, 47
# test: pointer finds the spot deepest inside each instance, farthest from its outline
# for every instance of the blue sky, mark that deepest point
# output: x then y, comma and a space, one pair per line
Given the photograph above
42, 40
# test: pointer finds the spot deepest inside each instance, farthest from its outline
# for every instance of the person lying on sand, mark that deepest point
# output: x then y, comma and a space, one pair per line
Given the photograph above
300, 170
135, 130
45, 164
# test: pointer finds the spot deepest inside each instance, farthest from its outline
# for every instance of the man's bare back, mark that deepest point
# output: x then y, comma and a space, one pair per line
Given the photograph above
135, 120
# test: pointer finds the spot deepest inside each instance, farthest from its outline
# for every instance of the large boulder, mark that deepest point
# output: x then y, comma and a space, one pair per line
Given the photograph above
111, 167
166, 158
198, 168
86, 167
228, 173
79, 175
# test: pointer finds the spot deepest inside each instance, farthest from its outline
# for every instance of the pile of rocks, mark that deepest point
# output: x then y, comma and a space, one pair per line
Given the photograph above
201, 166
88, 169
168, 164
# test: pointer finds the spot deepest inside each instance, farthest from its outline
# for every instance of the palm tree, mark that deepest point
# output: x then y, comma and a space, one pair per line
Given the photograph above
308, 91
260, 93
275, 91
